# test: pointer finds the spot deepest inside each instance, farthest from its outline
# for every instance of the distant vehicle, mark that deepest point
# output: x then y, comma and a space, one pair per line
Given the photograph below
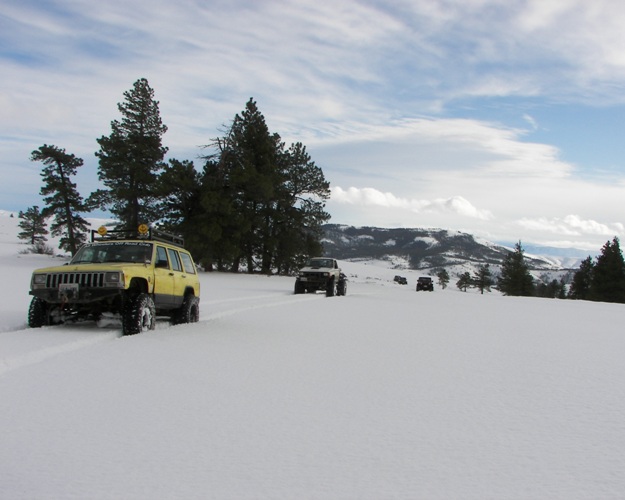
133, 274
401, 280
425, 283
321, 273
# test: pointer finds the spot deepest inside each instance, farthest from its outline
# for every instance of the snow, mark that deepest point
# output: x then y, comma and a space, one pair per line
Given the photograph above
385, 393
428, 240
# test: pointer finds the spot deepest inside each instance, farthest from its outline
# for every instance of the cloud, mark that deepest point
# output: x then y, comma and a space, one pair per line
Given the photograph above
368, 197
458, 205
530, 119
409, 99
572, 225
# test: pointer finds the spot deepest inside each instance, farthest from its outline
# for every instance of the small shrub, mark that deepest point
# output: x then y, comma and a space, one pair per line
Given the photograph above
39, 248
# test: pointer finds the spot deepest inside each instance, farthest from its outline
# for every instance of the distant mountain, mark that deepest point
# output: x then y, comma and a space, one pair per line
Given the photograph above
423, 249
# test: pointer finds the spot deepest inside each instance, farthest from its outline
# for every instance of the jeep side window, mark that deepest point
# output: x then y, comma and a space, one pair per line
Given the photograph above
188, 263
175, 260
161, 258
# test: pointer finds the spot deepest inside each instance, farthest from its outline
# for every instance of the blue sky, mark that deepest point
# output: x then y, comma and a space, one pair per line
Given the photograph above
501, 118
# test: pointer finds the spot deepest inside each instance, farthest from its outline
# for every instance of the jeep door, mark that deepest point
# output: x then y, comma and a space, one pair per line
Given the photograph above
179, 277
164, 280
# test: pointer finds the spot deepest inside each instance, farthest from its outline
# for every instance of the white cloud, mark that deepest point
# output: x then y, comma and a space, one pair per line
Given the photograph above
530, 119
572, 225
372, 197
458, 205
354, 82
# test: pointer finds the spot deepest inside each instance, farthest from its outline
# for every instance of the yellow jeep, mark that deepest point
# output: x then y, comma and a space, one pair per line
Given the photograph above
134, 274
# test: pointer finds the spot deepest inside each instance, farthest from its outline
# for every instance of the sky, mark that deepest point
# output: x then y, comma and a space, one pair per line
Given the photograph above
499, 118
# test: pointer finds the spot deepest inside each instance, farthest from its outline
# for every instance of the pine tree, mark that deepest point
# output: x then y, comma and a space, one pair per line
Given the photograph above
33, 226
249, 162
181, 194
131, 159
515, 278
178, 191
465, 281
300, 210
608, 277
221, 225
580, 286
483, 279
443, 278
63, 202
266, 202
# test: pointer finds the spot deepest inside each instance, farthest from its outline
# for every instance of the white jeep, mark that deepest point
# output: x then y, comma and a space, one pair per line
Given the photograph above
321, 273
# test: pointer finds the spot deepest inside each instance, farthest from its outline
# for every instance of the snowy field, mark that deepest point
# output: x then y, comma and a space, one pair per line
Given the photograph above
383, 394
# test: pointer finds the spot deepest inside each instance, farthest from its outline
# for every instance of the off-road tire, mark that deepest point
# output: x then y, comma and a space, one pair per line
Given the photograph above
331, 288
139, 315
189, 312
299, 287
38, 313
341, 289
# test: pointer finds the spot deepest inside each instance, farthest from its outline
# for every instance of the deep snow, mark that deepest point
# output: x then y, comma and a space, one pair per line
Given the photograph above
383, 394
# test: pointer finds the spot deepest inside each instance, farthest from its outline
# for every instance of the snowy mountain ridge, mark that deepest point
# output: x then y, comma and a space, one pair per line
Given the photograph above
430, 249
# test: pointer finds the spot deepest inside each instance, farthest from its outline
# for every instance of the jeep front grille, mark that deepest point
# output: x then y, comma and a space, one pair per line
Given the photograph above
314, 275
94, 280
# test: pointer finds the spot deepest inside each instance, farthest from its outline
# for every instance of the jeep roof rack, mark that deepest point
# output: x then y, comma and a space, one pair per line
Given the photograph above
104, 234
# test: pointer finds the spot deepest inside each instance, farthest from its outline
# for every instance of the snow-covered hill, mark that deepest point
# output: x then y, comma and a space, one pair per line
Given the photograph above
384, 393
431, 249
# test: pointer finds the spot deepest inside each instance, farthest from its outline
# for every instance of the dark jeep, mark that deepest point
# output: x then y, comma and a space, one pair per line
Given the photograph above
401, 280
425, 283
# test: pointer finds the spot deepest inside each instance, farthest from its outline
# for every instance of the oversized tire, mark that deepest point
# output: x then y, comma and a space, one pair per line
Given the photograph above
38, 313
331, 288
299, 287
139, 315
341, 289
189, 312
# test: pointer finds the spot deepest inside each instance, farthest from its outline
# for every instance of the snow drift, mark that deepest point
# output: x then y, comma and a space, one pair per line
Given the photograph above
384, 393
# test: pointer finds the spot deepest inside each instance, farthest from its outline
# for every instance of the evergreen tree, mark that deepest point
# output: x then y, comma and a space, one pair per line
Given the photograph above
465, 281
580, 286
264, 203
33, 226
515, 278
483, 279
299, 213
63, 202
178, 190
443, 278
221, 225
249, 160
189, 208
555, 289
131, 158
608, 277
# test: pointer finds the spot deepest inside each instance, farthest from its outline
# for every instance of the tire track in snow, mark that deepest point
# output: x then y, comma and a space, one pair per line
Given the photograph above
286, 300
241, 304
29, 358
267, 300
14, 362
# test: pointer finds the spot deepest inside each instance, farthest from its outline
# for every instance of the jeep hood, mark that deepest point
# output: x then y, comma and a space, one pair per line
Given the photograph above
105, 266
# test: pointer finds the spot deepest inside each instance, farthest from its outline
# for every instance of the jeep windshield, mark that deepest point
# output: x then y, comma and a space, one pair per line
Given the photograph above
127, 252
317, 263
